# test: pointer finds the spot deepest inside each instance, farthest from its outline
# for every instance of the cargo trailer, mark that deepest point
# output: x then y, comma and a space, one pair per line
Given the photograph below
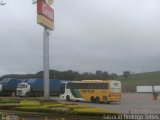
35, 87
8, 86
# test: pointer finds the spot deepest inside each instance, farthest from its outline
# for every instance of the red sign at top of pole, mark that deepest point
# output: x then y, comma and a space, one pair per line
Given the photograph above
45, 10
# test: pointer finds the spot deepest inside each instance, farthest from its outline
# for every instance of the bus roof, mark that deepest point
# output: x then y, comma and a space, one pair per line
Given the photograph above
91, 81
98, 80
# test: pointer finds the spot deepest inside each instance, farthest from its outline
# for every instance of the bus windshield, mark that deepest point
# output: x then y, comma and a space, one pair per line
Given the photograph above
21, 86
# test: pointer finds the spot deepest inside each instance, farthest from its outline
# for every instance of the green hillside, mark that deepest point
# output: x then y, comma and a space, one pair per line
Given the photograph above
129, 84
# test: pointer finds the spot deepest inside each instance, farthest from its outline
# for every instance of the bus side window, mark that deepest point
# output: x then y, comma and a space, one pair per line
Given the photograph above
90, 86
86, 86
68, 85
72, 86
96, 85
80, 86
106, 86
75, 86
62, 90
101, 86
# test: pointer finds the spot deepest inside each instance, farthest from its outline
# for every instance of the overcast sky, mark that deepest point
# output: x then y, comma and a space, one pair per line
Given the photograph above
89, 35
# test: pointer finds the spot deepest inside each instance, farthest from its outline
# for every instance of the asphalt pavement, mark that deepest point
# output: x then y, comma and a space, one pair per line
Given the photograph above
138, 103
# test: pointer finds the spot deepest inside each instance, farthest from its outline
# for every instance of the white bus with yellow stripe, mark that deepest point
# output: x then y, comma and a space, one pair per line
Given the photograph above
95, 91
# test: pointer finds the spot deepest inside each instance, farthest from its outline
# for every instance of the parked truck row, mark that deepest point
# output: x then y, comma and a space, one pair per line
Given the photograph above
28, 87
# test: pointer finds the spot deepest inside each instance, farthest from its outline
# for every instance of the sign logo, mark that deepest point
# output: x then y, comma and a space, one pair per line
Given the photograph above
45, 10
45, 15
45, 22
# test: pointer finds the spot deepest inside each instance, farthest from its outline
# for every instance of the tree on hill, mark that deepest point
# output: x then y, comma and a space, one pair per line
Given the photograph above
66, 75
126, 74
113, 76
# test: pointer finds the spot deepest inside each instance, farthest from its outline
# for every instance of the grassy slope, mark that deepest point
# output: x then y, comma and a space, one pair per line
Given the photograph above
129, 84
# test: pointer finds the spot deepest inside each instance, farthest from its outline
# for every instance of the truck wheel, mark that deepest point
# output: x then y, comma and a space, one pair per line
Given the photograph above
27, 94
68, 98
97, 100
92, 99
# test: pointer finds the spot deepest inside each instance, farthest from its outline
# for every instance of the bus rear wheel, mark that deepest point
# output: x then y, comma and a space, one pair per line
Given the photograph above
97, 100
92, 99
68, 98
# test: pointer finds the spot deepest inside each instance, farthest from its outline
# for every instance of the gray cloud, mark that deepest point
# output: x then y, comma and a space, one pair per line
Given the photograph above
90, 35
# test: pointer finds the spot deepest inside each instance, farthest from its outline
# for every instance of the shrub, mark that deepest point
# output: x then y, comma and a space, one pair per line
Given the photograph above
30, 109
41, 109
71, 104
54, 105
29, 103
7, 107
4, 101
72, 107
92, 111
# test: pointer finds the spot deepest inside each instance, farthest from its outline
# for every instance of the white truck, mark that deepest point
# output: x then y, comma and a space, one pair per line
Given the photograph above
35, 87
23, 89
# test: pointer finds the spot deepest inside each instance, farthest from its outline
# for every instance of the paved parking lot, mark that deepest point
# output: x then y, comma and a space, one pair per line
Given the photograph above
133, 102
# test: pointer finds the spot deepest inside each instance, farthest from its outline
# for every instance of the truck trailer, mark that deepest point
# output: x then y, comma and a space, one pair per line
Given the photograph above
8, 86
35, 88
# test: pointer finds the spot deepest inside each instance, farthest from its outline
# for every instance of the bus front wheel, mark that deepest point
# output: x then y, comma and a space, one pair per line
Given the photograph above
68, 98
92, 99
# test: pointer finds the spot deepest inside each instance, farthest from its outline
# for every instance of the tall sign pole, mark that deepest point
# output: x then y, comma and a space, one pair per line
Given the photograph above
45, 18
46, 62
